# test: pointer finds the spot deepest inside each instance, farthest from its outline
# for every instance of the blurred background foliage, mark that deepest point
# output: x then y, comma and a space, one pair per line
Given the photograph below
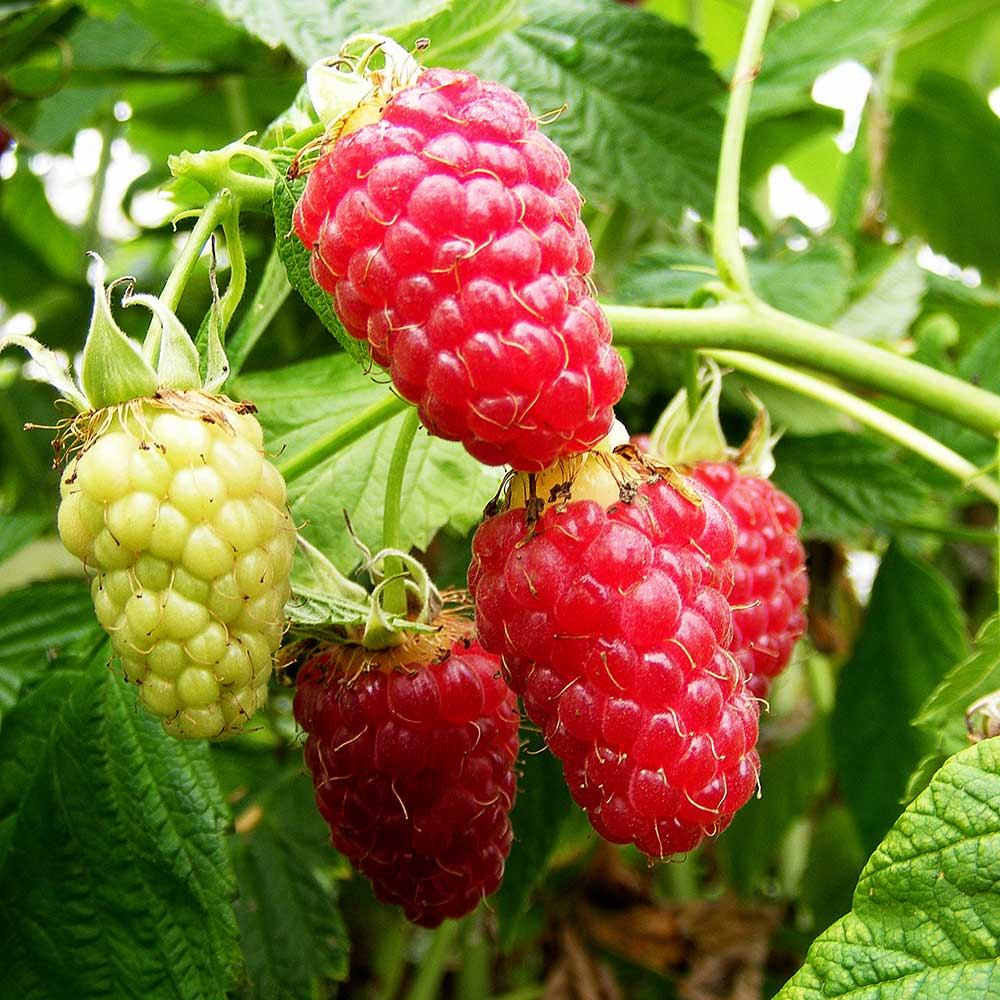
870, 205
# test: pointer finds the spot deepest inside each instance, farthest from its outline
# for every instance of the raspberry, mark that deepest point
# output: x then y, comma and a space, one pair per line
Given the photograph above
450, 239
181, 523
613, 624
413, 764
770, 581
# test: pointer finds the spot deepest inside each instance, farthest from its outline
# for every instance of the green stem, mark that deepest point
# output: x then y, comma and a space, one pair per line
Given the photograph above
237, 268
340, 437
762, 329
394, 599
998, 527
865, 413
729, 259
427, 984
215, 210
271, 293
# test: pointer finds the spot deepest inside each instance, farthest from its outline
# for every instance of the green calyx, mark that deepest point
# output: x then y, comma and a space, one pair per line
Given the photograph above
329, 606
114, 368
681, 437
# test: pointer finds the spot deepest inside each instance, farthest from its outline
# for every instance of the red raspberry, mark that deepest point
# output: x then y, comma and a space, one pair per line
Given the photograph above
450, 239
613, 624
413, 764
770, 580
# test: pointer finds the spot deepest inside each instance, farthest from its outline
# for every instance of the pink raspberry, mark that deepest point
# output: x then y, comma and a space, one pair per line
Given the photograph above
613, 625
770, 581
450, 238
413, 766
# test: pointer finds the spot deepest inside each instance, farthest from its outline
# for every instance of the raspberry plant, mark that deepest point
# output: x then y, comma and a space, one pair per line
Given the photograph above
426, 242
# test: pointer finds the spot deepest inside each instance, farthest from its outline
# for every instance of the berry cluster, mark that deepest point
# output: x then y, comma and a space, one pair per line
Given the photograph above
182, 523
450, 238
413, 764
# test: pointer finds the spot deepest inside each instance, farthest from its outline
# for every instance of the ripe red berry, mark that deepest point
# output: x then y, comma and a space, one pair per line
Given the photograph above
770, 583
413, 764
613, 624
450, 238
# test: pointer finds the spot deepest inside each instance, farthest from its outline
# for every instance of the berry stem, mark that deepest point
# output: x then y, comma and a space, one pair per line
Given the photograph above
757, 327
215, 211
729, 258
865, 413
318, 451
394, 599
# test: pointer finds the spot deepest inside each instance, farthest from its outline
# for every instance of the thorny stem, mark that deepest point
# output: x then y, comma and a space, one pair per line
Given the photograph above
759, 328
394, 599
343, 435
729, 258
865, 413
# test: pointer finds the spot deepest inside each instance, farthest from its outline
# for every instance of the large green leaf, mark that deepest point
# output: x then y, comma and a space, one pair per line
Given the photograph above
944, 159
293, 937
913, 633
115, 879
17, 530
846, 484
302, 403
641, 124
925, 922
458, 33
800, 50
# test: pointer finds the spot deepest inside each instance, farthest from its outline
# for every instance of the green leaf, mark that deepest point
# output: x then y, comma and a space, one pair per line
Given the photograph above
116, 880
925, 921
846, 484
811, 283
912, 634
294, 255
291, 930
40, 620
542, 803
462, 30
889, 302
944, 157
316, 30
302, 403
942, 715
800, 50
641, 124
791, 778
17, 530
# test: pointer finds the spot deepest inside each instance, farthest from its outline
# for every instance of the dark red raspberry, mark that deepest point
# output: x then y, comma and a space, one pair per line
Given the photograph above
613, 625
450, 239
769, 571
413, 766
